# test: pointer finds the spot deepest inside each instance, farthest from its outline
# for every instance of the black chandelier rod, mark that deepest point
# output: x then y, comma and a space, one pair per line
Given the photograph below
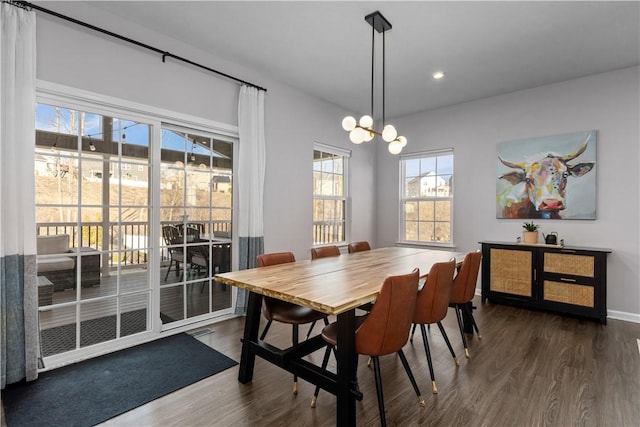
165, 54
380, 24
373, 45
383, 78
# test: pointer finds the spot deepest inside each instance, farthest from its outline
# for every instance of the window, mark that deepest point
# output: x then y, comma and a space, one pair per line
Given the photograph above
427, 197
330, 194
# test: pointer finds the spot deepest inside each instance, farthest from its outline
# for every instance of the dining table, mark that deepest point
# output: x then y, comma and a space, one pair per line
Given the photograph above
336, 286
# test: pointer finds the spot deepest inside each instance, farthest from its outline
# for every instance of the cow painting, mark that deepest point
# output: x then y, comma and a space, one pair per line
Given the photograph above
539, 187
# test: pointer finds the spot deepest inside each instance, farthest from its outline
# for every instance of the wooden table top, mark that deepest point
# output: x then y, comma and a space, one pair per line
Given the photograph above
336, 284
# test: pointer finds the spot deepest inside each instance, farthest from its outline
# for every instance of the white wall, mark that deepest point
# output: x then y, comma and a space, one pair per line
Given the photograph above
293, 124
608, 103
73, 56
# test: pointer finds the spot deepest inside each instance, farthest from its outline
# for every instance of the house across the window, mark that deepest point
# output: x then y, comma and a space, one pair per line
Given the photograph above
427, 197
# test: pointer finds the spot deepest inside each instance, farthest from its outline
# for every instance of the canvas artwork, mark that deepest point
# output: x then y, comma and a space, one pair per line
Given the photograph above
551, 177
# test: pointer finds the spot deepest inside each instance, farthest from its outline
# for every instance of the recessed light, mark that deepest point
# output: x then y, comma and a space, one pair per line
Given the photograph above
438, 75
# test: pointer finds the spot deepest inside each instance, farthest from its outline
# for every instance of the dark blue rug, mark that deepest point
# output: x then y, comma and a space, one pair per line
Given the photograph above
92, 391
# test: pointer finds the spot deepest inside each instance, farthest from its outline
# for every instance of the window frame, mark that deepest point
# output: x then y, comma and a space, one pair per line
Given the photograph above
346, 198
403, 199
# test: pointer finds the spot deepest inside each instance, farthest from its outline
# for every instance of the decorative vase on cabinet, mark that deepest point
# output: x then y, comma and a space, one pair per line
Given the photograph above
530, 233
530, 236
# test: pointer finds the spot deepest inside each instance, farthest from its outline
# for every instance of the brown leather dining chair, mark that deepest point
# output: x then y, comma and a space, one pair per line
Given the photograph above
431, 307
324, 252
383, 331
462, 292
282, 311
359, 246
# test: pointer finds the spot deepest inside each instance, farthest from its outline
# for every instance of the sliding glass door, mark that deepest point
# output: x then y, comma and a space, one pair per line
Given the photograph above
196, 186
92, 212
134, 218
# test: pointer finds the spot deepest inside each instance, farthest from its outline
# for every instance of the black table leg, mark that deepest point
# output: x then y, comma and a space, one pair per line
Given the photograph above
251, 326
347, 358
467, 323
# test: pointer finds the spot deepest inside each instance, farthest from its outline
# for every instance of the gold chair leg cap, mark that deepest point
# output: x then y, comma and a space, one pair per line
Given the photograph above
369, 363
434, 387
313, 401
455, 360
466, 352
295, 387
421, 401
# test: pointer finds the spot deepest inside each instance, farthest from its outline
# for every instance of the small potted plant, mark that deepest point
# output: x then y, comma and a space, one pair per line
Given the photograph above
530, 233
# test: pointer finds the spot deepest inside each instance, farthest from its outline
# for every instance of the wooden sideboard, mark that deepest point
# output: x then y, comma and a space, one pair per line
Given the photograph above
571, 280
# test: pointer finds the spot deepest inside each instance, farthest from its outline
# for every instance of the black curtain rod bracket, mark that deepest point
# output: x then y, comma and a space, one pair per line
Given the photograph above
165, 54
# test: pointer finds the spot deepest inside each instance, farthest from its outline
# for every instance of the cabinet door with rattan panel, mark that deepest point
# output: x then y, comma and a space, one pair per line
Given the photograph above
574, 281
511, 271
508, 272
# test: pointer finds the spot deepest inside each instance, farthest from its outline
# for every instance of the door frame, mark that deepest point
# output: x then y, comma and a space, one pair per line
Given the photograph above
69, 97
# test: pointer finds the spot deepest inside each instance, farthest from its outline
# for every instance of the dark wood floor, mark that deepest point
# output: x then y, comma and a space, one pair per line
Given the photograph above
530, 369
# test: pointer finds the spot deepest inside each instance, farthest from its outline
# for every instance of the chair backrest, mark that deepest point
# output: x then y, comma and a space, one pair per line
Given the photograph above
386, 328
196, 225
433, 300
199, 255
324, 252
192, 234
359, 247
171, 235
266, 260
53, 244
464, 284
275, 258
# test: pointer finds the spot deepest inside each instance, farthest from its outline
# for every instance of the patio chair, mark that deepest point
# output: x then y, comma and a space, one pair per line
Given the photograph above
173, 238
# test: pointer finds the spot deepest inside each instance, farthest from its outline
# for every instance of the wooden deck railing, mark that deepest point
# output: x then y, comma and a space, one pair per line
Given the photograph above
128, 242
328, 232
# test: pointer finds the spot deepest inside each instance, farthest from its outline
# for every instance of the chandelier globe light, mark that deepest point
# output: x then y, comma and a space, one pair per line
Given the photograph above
362, 130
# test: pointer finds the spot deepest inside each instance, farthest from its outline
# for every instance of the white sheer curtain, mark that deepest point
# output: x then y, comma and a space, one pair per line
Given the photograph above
251, 169
18, 285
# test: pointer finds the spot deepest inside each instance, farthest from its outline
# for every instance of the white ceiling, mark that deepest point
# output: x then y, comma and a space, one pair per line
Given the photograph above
324, 47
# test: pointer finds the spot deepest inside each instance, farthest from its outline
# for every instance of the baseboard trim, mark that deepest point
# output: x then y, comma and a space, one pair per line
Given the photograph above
623, 315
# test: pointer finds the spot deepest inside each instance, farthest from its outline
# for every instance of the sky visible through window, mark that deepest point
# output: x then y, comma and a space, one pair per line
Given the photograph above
67, 121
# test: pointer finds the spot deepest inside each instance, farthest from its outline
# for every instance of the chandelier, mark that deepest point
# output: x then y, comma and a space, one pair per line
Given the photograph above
362, 130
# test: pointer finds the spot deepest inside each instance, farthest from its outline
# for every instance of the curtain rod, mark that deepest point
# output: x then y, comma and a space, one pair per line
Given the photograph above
164, 53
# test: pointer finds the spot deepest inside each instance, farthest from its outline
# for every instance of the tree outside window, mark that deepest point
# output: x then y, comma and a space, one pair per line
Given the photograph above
329, 195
